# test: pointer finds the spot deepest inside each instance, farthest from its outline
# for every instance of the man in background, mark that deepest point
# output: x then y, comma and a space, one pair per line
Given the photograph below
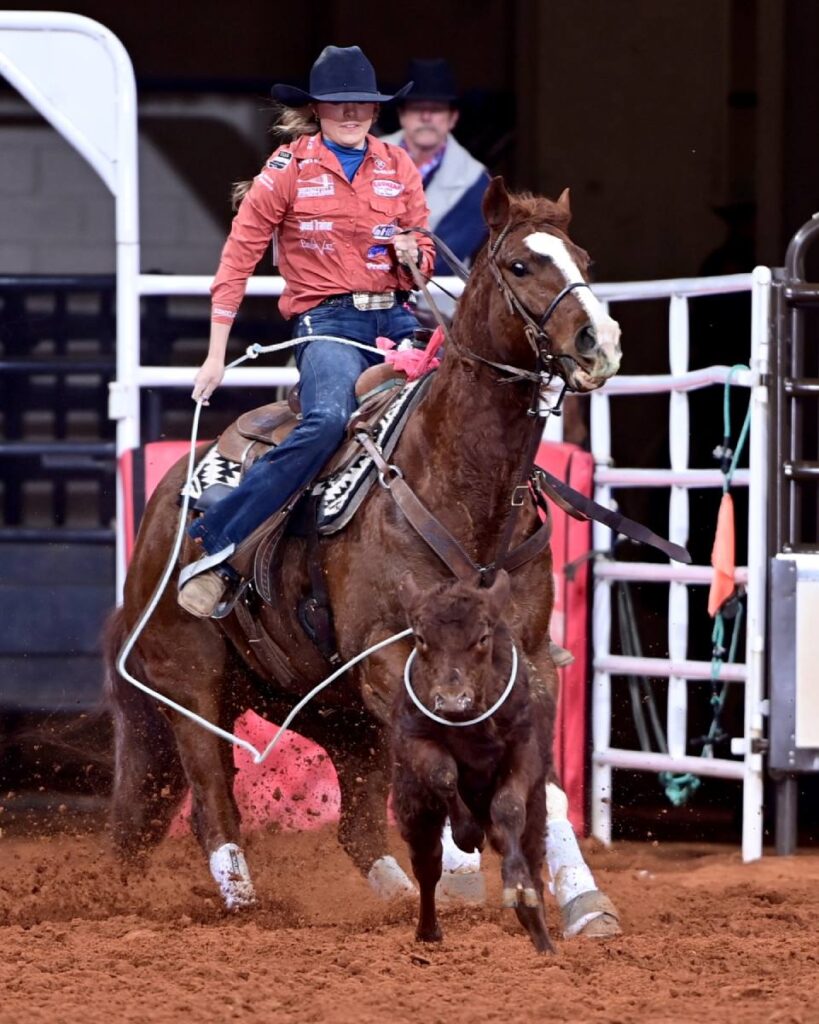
454, 181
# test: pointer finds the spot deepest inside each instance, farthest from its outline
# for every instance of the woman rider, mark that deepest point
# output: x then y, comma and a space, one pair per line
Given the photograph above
336, 196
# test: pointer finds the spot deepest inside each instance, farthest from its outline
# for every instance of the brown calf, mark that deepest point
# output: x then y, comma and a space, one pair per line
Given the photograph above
489, 778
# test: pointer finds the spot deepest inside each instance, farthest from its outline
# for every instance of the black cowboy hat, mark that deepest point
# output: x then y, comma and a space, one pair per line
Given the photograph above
340, 73
432, 80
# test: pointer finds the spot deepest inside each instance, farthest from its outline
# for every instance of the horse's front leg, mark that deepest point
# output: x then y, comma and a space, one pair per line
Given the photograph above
358, 747
208, 763
585, 910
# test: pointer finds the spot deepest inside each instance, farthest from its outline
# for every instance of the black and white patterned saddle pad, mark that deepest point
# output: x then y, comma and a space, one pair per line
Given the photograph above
213, 478
340, 494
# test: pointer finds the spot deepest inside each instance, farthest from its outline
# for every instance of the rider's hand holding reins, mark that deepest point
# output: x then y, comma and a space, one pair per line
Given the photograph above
211, 372
406, 249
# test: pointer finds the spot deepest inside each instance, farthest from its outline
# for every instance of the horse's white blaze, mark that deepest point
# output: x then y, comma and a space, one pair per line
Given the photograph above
229, 867
607, 329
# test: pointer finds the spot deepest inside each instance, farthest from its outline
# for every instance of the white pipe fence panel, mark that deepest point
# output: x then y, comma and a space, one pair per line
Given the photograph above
677, 669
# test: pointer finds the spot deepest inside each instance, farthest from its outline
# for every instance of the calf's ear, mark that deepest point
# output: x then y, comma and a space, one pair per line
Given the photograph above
499, 594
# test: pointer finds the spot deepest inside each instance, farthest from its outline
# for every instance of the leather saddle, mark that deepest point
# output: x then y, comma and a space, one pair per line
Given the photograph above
256, 431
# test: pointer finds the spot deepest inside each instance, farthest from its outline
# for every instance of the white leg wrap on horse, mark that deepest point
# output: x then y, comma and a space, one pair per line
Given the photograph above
388, 879
569, 873
461, 877
454, 858
583, 907
229, 867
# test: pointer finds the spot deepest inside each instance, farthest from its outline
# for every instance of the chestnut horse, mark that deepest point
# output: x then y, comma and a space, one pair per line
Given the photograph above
525, 308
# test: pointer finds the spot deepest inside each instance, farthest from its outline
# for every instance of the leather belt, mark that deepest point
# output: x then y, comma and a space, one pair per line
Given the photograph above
367, 300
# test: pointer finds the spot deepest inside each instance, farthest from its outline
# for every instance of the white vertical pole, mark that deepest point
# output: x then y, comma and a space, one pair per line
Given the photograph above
677, 718
752, 787
601, 782
124, 403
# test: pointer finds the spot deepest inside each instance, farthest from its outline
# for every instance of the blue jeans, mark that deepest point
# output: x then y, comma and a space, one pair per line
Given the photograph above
328, 372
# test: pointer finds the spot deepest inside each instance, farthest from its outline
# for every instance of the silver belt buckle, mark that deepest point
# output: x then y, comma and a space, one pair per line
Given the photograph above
373, 300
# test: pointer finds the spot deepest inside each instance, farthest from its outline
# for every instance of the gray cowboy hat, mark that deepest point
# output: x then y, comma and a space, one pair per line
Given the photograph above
340, 73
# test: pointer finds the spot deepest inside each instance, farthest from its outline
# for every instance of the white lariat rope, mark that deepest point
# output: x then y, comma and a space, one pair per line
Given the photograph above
252, 352
472, 721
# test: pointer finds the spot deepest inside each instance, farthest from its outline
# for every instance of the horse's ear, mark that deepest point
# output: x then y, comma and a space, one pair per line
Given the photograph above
499, 594
496, 205
563, 202
408, 592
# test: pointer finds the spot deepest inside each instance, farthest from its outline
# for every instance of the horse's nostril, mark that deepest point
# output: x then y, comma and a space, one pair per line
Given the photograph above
586, 340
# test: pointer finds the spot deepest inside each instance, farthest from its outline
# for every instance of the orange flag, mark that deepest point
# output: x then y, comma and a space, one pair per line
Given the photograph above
723, 557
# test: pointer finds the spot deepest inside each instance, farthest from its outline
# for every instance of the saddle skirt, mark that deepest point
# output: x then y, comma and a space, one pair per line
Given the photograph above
386, 402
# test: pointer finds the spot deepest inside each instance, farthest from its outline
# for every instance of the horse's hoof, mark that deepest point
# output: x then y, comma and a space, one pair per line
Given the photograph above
239, 902
591, 915
388, 880
229, 869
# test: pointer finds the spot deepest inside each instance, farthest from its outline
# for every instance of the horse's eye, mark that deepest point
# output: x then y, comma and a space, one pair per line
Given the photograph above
420, 642
519, 269
484, 640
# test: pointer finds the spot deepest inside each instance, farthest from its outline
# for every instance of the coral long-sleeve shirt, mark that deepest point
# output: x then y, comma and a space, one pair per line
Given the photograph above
333, 234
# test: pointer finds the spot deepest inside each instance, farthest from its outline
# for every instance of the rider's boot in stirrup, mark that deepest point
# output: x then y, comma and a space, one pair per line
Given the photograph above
559, 655
203, 584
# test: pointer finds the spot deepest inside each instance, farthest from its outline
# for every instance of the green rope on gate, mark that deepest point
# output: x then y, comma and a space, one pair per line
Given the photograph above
729, 459
679, 788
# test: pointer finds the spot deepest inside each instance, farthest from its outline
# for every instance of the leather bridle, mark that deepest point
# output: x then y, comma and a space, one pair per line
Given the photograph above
546, 366
535, 328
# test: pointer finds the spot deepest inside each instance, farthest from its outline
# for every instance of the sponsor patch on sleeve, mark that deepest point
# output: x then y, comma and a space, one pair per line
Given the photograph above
280, 160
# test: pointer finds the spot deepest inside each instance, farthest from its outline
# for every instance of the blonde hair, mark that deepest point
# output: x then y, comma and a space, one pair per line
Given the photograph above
290, 123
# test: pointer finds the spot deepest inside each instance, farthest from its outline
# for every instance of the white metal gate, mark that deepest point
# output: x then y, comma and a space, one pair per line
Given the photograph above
679, 479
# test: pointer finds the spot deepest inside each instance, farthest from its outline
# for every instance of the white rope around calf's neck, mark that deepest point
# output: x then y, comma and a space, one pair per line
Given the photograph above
472, 721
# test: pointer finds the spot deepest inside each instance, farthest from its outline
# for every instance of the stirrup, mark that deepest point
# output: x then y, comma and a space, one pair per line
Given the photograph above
214, 563
559, 655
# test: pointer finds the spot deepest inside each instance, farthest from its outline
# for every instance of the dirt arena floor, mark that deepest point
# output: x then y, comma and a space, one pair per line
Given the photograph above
706, 939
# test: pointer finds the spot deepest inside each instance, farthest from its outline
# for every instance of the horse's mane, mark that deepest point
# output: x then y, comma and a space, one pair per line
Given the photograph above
528, 207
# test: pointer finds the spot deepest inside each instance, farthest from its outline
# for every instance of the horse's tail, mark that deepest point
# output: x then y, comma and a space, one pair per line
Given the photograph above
149, 780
